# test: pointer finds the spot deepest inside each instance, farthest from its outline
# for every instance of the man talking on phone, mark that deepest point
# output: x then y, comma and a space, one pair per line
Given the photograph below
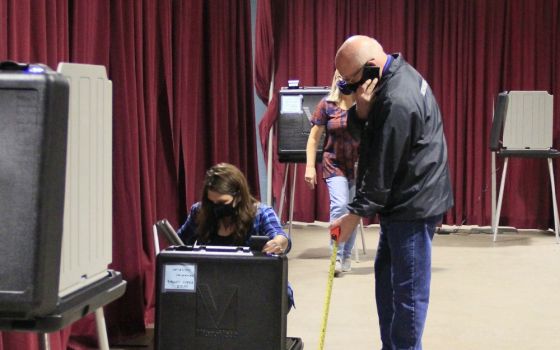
403, 177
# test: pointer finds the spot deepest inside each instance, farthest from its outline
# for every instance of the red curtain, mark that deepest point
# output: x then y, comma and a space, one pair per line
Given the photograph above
468, 51
182, 101
214, 70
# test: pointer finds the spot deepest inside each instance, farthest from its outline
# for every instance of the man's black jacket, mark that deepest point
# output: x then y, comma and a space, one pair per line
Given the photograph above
402, 170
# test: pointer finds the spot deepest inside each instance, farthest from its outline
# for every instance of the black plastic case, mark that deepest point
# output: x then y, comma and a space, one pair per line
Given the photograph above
221, 298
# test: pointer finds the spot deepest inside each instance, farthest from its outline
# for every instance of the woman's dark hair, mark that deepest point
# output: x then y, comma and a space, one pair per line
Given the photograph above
224, 178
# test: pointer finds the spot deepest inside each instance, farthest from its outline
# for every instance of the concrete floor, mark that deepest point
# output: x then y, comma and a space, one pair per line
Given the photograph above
485, 295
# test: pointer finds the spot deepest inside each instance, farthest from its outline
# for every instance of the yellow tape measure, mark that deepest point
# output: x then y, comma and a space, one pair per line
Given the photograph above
328, 296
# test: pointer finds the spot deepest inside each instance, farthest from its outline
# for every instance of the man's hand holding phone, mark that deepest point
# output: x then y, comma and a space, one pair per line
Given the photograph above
365, 92
364, 97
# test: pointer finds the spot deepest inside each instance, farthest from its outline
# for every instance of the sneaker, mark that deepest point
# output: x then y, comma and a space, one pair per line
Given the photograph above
346, 265
337, 268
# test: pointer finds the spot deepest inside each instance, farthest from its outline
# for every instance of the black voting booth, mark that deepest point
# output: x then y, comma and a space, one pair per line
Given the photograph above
34, 121
34, 103
221, 298
294, 116
296, 109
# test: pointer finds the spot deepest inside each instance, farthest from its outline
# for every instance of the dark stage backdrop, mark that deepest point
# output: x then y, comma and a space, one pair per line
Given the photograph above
468, 51
183, 101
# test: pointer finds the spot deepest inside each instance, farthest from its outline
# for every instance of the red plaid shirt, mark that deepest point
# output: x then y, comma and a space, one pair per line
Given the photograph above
340, 151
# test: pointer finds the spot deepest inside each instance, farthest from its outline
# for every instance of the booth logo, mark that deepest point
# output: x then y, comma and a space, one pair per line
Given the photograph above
217, 312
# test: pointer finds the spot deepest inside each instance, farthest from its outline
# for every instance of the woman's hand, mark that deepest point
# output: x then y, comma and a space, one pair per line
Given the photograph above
310, 177
277, 245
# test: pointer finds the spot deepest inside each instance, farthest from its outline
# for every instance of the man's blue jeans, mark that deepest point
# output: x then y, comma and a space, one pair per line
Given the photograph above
402, 281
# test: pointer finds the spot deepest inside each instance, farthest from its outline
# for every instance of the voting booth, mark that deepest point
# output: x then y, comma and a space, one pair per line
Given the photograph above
33, 134
522, 127
55, 196
295, 112
294, 122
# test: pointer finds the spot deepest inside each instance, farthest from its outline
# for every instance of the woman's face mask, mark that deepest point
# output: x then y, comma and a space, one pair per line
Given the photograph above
222, 210
221, 204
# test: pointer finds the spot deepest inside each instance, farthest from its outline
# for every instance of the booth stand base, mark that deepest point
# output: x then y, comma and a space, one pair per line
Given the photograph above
71, 308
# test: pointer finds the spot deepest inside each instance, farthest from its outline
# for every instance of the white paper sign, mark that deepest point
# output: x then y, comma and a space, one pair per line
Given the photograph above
291, 104
179, 278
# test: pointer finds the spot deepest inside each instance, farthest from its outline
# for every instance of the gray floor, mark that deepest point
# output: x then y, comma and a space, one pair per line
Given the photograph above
485, 295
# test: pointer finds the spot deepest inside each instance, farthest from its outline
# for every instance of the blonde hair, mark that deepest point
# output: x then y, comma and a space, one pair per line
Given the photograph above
334, 94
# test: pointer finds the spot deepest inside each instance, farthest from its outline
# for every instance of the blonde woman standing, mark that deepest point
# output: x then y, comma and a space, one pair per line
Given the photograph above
340, 154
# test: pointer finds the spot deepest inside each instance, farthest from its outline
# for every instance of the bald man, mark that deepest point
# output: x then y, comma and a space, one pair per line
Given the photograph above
403, 177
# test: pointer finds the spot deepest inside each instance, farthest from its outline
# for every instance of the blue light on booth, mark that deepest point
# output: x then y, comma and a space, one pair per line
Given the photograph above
35, 69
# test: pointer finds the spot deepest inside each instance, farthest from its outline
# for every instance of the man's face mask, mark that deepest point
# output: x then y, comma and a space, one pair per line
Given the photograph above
369, 72
222, 210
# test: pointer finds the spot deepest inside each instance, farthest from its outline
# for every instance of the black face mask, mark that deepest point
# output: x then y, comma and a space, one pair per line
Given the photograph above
370, 72
222, 210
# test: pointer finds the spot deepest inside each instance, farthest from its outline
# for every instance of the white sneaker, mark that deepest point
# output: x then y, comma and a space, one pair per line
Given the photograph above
346, 265
337, 268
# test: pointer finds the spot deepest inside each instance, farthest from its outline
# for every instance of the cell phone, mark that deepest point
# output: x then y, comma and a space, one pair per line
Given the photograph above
370, 72
256, 243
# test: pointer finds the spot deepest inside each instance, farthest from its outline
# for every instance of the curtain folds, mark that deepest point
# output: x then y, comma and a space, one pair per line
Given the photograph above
468, 51
182, 101
264, 48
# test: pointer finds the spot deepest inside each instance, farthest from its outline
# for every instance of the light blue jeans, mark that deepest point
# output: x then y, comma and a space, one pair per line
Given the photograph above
341, 192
